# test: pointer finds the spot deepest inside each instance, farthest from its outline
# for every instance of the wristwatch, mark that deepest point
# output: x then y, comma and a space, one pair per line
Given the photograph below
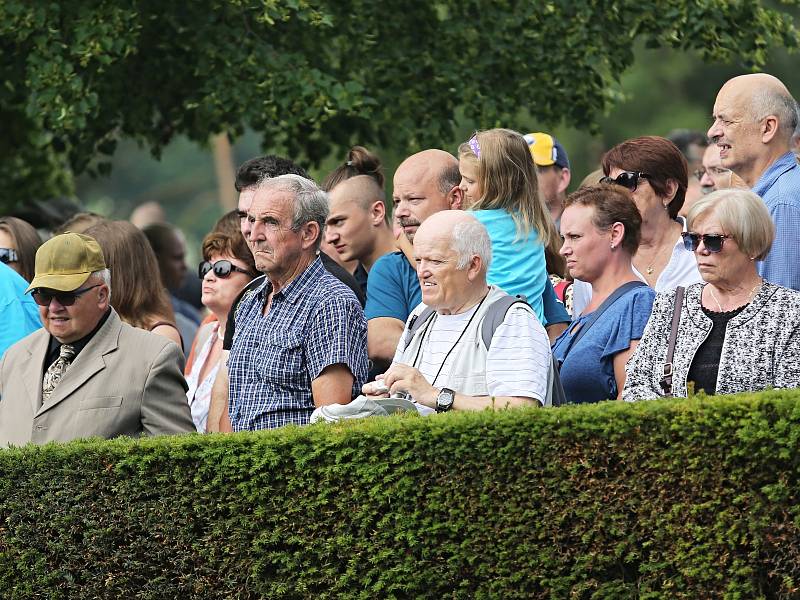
444, 401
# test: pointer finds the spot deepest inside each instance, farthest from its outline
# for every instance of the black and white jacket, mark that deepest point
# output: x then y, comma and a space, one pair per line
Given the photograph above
761, 347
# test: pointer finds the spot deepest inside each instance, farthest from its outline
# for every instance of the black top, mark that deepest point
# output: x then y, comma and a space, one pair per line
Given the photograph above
330, 265
54, 348
360, 275
705, 366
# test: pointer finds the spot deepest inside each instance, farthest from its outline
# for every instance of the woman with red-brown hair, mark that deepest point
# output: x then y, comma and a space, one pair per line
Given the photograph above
654, 171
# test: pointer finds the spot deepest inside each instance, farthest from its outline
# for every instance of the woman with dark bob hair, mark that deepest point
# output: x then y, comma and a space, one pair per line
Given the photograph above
600, 226
736, 332
654, 171
19, 242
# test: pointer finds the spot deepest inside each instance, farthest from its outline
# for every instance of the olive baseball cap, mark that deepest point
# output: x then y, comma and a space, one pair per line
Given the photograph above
64, 262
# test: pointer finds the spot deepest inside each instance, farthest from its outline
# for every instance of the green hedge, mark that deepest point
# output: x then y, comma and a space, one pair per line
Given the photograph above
668, 499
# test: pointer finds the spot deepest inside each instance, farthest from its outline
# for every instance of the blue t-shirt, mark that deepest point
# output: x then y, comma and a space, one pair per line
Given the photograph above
587, 372
518, 265
19, 314
392, 288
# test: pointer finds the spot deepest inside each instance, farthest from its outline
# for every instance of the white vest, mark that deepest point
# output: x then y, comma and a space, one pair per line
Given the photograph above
468, 365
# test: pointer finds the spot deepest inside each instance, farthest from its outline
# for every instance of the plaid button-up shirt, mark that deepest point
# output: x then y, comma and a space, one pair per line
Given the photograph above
312, 323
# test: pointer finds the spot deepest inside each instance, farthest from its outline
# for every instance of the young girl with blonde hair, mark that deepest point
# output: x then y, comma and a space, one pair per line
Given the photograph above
498, 178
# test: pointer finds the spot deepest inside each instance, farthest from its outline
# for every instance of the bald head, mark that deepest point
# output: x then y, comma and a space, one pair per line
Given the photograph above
754, 118
761, 95
425, 183
460, 231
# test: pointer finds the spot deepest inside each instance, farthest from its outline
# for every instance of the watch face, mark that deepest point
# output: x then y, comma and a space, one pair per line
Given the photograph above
445, 399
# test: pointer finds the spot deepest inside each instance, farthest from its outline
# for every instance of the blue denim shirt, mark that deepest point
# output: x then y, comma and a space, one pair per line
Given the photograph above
314, 322
779, 186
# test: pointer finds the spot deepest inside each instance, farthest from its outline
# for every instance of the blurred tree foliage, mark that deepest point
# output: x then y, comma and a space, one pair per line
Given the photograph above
311, 76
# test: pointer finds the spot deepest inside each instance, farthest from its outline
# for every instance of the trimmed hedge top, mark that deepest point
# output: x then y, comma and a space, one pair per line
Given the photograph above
666, 499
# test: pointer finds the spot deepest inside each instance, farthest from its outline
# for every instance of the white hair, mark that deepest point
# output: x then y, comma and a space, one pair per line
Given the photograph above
470, 238
767, 101
310, 201
103, 275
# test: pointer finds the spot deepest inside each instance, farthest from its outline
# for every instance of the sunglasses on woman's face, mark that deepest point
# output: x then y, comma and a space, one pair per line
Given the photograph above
44, 298
627, 179
8, 255
712, 241
221, 268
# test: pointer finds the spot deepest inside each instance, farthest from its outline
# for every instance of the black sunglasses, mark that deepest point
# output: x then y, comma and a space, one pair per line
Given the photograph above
43, 298
222, 268
712, 241
627, 179
8, 255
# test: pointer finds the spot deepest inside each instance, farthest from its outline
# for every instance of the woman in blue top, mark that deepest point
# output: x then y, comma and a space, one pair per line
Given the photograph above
498, 179
601, 227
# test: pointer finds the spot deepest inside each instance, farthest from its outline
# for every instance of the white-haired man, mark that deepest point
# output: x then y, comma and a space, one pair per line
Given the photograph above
86, 373
443, 359
755, 117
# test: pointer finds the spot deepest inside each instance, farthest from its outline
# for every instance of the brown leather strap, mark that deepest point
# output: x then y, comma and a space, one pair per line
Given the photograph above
666, 377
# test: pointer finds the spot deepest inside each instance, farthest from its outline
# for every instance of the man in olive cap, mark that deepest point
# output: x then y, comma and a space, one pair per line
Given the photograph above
86, 373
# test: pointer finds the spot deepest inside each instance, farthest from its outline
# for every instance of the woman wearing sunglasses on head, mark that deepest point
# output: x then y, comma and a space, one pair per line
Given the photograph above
138, 296
734, 332
227, 267
655, 172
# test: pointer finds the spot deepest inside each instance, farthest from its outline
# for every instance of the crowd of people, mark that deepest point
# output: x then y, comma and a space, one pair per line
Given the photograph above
482, 285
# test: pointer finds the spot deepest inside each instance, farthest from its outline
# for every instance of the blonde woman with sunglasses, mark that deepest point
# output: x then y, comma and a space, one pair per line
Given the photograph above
735, 332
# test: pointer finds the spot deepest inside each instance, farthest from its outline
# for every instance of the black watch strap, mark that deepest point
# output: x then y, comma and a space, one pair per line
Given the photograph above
445, 400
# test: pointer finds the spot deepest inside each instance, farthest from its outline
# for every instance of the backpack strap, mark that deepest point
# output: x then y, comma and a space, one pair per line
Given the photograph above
415, 324
495, 315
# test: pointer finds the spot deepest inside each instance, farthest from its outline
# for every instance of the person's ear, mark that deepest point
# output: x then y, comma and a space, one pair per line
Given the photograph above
617, 235
310, 232
455, 198
769, 128
378, 213
103, 296
563, 180
672, 189
474, 267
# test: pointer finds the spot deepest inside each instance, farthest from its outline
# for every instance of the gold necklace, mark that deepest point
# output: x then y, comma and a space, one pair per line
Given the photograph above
749, 296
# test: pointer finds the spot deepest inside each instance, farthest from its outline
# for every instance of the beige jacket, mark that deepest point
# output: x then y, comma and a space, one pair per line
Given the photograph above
126, 381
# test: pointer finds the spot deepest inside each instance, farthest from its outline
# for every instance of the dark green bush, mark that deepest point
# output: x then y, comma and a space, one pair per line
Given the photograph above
670, 499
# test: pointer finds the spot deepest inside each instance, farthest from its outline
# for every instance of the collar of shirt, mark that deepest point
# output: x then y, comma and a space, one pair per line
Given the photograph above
296, 287
774, 171
54, 347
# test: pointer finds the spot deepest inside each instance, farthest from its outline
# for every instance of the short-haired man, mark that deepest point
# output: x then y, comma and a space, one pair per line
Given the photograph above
755, 117
552, 171
301, 335
425, 183
86, 373
444, 363
248, 175
358, 223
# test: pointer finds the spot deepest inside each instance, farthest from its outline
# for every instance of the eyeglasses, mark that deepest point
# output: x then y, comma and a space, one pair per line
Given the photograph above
712, 172
43, 298
222, 268
712, 241
627, 179
8, 255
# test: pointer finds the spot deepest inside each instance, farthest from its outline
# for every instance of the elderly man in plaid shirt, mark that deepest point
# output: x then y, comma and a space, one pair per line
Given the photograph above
301, 337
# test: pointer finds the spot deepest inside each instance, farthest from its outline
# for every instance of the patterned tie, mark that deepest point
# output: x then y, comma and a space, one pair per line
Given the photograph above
56, 371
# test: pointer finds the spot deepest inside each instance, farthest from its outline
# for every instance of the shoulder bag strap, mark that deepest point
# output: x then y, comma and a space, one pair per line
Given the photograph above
666, 377
616, 295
